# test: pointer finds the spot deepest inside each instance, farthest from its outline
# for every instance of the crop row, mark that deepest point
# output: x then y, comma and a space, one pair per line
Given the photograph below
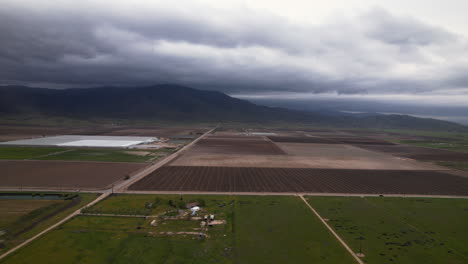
231, 179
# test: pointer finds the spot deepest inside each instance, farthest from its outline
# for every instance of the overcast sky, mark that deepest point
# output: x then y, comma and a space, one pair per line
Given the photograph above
400, 50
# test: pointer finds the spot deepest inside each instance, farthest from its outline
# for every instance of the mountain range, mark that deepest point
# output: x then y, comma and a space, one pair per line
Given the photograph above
168, 102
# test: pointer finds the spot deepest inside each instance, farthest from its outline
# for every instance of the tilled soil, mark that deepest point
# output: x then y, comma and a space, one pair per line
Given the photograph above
63, 174
319, 140
359, 140
419, 153
237, 145
229, 179
69, 204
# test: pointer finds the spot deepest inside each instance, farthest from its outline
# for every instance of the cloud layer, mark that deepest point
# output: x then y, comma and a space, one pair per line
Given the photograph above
238, 51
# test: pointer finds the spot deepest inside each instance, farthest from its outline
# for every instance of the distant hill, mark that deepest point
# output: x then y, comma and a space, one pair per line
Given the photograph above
178, 103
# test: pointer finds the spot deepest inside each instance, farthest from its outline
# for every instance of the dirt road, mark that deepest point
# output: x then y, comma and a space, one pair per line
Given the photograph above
101, 197
358, 260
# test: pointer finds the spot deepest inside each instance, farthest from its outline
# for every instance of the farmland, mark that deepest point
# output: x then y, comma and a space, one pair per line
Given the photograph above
26, 152
302, 162
419, 153
329, 139
109, 155
81, 154
12, 132
445, 149
243, 151
400, 230
59, 168
22, 218
253, 228
302, 155
64, 174
228, 179
238, 145
249, 179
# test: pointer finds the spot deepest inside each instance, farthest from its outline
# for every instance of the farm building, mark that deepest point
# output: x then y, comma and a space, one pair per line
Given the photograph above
83, 141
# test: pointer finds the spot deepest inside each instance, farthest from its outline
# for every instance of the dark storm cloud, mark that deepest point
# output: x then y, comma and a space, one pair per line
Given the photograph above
241, 51
407, 31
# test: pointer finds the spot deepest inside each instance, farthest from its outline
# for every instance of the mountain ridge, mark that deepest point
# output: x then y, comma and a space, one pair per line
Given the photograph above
172, 102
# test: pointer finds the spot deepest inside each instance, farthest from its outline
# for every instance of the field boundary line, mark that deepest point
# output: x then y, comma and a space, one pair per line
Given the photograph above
118, 215
50, 154
75, 213
333, 231
146, 171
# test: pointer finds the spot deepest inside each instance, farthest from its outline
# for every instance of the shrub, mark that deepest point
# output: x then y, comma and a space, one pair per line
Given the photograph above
201, 202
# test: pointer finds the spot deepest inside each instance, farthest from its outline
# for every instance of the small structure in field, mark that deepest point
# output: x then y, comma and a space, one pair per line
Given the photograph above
195, 209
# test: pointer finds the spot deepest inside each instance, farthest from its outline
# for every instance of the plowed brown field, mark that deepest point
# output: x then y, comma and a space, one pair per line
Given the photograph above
237, 145
302, 140
63, 174
229, 179
419, 153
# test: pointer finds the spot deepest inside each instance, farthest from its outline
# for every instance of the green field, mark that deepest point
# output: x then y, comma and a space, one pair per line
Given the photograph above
283, 230
440, 134
258, 229
113, 155
453, 141
82, 154
16, 153
11, 211
455, 165
125, 204
21, 219
400, 230
460, 146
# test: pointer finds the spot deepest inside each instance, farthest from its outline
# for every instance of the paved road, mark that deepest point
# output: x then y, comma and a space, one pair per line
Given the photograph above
298, 193
125, 184
105, 193
122, 188
248, 193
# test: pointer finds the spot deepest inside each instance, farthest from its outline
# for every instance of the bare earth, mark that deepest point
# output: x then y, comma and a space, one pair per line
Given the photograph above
304, 155
63, 174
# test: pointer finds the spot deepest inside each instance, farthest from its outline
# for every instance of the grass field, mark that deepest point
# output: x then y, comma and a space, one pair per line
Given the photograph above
113, 155
22, 219
25, 152
456, 165
272, 229
117, 240
81, 154
460, 146
258, 229
440, 134
400, 230
454, 141
125, 204
12, 210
